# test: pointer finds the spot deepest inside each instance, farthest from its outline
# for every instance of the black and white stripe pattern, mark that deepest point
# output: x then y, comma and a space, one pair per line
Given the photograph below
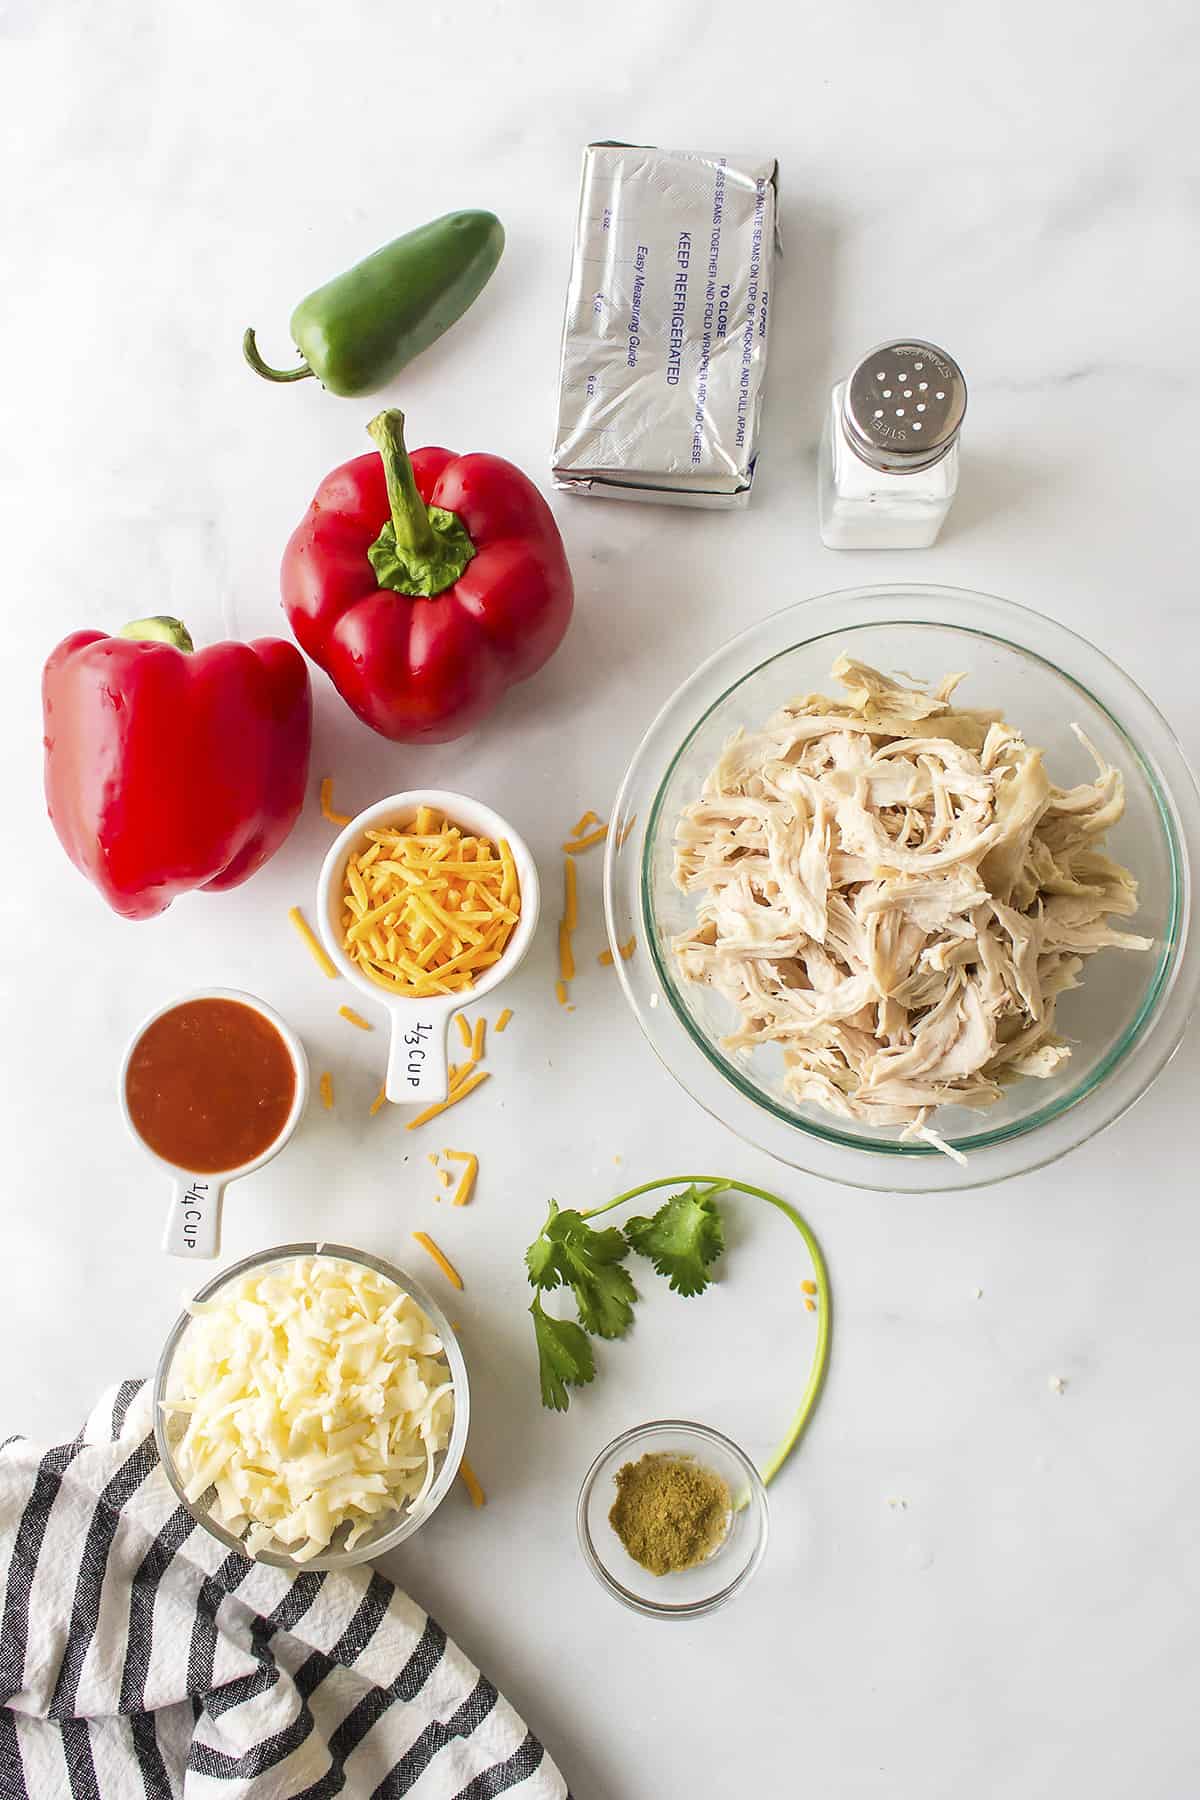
137, 1656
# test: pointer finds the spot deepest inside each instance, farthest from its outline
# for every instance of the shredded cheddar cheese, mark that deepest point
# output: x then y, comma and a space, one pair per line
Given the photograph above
471, 1482
502, 1021
627, 948
348, 1013
581, 825
379, 1099
327, 812
478, 1039
464, 1030
566, 956
466, 1185
560, 992
606, 958
426, 908
457, 1093
574, 845
571, 908
317, 949
625, 830
327, 1091
443, 1262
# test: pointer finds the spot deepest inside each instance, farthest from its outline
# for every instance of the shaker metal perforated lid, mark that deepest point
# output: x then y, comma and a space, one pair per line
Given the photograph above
903, 406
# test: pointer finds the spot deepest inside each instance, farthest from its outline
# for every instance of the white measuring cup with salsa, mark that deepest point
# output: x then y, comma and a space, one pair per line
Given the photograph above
212, 1087
440, 909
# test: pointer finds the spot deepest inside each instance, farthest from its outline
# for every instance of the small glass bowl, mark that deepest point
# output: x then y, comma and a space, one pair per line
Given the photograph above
691, 1592
392, 1528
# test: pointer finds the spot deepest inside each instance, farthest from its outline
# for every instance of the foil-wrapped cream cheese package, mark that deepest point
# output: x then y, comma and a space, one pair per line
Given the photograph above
665, 340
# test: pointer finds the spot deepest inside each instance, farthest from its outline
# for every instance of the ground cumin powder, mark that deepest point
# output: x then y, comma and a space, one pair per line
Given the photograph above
670, 1512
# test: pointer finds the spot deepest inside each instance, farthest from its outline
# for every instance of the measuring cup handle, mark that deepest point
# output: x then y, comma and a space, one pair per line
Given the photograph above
194, 1221
418, 1071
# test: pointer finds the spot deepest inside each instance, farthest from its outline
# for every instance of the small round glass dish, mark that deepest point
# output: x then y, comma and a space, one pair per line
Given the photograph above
1126, 1018
392, 1528
689, 1593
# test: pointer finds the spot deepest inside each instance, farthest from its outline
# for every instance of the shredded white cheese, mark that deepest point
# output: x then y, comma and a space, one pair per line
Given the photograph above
317, 1395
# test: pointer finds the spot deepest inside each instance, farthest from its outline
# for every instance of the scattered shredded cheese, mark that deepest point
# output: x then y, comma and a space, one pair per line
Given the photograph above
471, 1482
606, 957
327, 1091
317, 949
298, 1443
566, 925
443, 1262
466, 1186
348, 1013
379, 1099
426, 908
571, 888
464, 1030
627, 948
478, 1039
502, 1021
581, 825
456, 1094
574, 845
625, 830
327, 812
560, 990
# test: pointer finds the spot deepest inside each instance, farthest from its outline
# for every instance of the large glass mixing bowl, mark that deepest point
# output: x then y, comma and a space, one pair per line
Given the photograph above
1123, 1022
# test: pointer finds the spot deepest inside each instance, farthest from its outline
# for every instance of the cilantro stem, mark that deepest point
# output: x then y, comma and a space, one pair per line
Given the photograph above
820, 1357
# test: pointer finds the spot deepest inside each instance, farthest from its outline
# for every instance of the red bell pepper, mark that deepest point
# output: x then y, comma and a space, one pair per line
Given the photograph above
168, 770
425, 587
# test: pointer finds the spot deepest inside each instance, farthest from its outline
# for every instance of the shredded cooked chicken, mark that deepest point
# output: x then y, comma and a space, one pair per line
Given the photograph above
894, 890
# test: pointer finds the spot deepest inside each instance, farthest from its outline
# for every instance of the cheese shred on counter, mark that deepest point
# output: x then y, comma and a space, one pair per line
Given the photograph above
315, 1399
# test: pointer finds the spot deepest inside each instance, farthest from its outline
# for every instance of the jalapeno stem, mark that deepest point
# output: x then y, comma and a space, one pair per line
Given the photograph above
410, 519
250, 352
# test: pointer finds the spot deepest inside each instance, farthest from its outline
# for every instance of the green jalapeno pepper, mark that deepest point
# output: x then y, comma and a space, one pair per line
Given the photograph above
360, 329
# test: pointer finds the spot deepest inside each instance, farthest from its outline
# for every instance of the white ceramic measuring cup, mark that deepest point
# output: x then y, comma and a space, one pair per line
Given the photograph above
193, 1227
418, 1065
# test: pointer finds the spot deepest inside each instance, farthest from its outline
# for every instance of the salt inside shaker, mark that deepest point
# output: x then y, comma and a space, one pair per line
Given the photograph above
889, 449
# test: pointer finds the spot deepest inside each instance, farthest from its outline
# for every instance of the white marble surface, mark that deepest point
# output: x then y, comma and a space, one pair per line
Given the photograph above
1019, 182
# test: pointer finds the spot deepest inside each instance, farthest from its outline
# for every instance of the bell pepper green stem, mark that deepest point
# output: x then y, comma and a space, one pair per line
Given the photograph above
824, 1299
250, 352
160, 630
410, 519
421, 549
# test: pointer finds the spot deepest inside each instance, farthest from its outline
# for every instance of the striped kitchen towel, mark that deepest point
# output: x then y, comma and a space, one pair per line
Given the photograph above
139, 1661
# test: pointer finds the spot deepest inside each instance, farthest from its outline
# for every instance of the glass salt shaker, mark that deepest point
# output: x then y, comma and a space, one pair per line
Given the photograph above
889, 450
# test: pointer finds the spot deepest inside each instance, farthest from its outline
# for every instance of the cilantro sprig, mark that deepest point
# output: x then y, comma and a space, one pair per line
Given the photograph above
682, 1241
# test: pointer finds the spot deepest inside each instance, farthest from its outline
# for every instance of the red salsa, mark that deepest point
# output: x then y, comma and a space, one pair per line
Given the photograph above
210, 1085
